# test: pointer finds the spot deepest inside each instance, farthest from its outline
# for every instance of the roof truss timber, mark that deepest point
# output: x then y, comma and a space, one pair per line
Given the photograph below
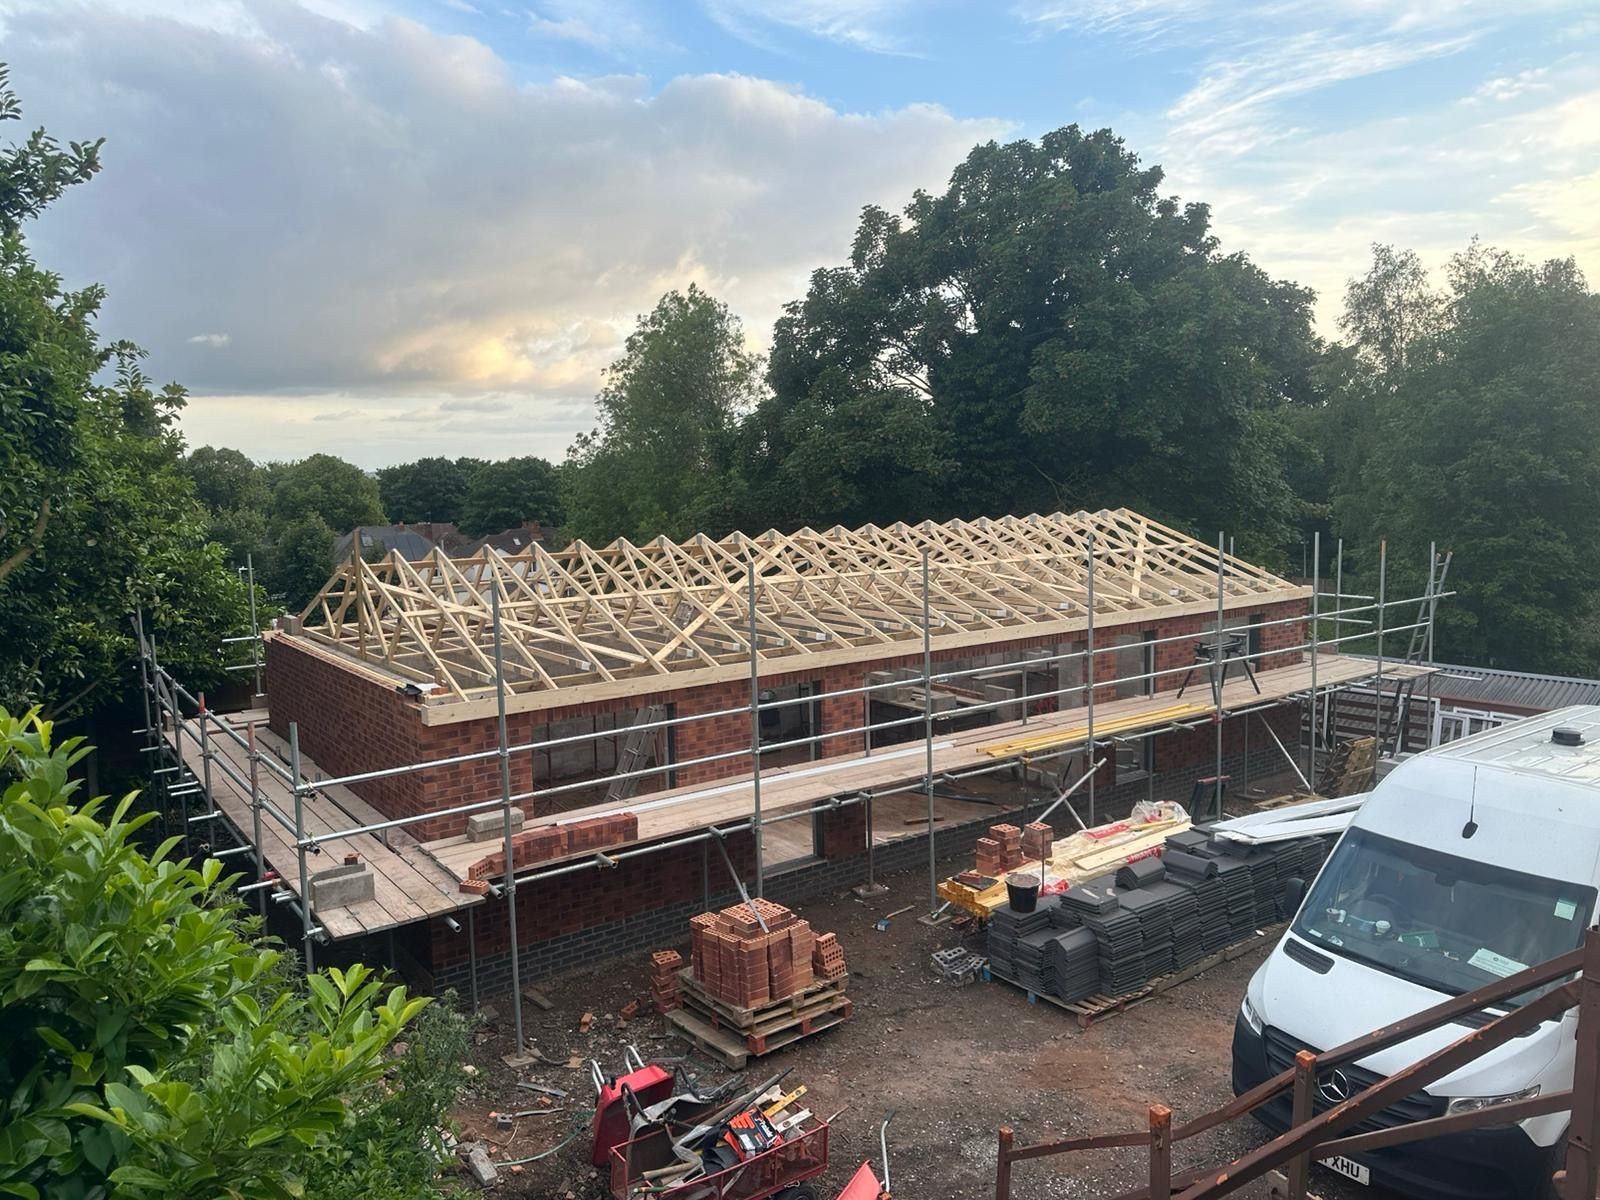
635, 615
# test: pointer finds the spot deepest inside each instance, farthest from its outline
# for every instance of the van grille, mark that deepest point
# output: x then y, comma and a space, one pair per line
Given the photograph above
1419, 1106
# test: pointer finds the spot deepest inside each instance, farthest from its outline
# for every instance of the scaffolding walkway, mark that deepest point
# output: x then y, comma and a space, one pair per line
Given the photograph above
803, 786
409, 885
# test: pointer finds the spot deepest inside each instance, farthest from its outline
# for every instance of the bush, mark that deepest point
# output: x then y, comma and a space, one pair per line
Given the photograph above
149, 1045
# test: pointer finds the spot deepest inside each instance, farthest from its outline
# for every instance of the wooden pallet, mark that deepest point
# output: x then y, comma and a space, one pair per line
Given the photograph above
730, 1032
733, 1014
728, 1049
1097, 1008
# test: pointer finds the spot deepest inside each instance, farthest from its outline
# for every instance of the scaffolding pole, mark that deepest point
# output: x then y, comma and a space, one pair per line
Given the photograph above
1088, 757
205, 759
1433, 607
300, 846
1216, 678
255, 625
927, 730
253, 757
510, 887
1377, 682
1316, 631
755, 728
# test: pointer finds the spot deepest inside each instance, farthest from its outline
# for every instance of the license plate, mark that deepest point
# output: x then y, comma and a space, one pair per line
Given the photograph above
1348, 1167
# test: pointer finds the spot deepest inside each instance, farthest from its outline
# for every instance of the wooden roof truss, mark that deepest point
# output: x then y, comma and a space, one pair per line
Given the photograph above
587, 614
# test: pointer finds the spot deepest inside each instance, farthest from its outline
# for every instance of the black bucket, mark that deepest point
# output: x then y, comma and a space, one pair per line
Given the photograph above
1023, 892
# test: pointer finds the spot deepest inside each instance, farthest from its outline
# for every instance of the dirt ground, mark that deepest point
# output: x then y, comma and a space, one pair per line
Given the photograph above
955, 1062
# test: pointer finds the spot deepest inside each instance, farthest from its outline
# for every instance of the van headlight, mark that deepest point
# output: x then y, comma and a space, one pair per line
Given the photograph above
1251, 1017
1466, 1104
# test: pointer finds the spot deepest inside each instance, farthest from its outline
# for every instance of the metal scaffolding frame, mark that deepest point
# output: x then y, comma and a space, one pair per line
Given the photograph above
166, 698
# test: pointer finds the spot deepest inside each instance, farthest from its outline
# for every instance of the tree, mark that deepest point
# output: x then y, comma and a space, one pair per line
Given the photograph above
1485, 416
504, 494
338, 493
96, 518
301, 561
226, 479
152, 1048
1071, 338
430, 489
662, 458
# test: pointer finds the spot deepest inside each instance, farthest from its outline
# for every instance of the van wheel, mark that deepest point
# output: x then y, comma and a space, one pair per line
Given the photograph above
1556, 1159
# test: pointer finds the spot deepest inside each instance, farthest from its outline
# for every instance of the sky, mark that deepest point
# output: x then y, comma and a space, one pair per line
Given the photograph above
386, 229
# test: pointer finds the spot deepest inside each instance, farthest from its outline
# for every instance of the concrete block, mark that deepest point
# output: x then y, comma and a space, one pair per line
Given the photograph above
482, 826
342, 885
483, 1170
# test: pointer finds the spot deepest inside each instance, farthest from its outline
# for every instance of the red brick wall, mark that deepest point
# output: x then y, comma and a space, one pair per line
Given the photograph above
350, 723
566, 904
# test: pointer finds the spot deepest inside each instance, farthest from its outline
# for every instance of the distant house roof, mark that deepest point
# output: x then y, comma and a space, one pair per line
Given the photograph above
513, 541
1487, 687
412, 542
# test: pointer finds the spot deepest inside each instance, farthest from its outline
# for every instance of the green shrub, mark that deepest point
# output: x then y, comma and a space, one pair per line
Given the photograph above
148, 1046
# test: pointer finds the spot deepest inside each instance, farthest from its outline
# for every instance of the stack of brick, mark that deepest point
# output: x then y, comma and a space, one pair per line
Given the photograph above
734, 960
664, 968
1010, 839
827, 958
548, 842
1037, 838
991, 857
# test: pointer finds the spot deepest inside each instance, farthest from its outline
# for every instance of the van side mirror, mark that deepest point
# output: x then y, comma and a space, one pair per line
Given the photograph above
1294, 891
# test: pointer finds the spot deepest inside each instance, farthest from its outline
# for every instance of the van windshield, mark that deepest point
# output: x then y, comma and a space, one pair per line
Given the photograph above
1447, 923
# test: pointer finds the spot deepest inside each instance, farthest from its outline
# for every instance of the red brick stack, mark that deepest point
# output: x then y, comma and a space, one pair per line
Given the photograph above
991, 857
664, 968
1037, 838
827, 957
1010, 839
557, 841
735, 961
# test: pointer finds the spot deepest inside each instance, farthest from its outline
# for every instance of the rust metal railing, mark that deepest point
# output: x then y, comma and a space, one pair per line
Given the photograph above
1313, 1135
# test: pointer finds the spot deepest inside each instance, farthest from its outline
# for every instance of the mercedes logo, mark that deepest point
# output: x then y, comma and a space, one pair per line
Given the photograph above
1334, 1087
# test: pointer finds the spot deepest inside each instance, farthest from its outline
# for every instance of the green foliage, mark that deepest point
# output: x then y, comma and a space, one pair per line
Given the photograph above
302, 560
663, 456
430, 489
226, 480
502, 495
1474, 419
339, 494
96, 519
1057, 334
392, 1148
147, 1047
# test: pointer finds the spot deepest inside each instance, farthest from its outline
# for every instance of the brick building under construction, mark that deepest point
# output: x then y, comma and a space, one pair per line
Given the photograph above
787, 708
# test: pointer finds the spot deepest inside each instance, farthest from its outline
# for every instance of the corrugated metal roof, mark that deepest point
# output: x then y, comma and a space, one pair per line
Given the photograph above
1486, 687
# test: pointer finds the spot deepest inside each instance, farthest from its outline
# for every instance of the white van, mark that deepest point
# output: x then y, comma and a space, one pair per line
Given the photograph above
1467, 863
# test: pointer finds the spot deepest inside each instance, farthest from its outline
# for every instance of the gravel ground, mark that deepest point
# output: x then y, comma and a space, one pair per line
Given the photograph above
955, 1062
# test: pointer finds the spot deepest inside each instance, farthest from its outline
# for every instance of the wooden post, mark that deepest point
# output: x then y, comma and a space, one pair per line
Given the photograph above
1578, 1179
1160, 1152
1002, 1166
1305, 1086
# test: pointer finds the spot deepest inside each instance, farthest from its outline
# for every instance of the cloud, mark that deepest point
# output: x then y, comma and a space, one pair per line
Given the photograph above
609, 26
876, 26
386, 216
1509, 87
217, 340
1316, 127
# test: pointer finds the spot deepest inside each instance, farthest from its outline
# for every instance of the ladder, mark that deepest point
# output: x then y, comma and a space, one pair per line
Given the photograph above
637, 747
1419, 635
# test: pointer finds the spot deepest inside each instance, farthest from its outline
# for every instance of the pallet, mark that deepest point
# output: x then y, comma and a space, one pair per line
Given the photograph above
1097, 1008
736, 1015
730, 1032
734, 1053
